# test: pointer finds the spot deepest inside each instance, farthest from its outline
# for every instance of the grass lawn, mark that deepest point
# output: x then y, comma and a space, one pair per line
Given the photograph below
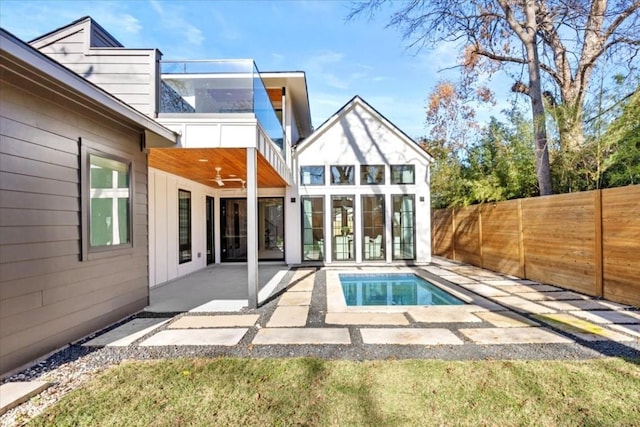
313, 392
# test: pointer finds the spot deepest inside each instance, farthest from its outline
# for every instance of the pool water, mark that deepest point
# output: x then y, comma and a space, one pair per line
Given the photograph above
393, 289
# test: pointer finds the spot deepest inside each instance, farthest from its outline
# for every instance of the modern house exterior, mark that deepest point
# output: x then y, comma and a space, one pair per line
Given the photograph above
225, 167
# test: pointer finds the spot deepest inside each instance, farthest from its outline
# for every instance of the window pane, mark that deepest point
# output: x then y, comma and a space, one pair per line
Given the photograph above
372, 174
402, 174
342, 175
110, 202
312, 228
184, 226
343, 226
312, 175
271, 228
403, 227
373, 227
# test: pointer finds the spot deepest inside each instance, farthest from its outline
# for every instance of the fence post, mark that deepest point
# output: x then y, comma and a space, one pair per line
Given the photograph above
453, 234
597, 217
523, 268
479, 209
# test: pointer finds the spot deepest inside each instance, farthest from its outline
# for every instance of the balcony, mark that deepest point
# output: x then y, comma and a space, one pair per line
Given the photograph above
219, 87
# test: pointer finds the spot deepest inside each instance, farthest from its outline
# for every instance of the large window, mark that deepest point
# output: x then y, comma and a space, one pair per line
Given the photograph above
342, 175
403, 227
403, 174
371, 174
312, 175
109, 219
373, 227
313, 228
271, 228
343, 226
184, 226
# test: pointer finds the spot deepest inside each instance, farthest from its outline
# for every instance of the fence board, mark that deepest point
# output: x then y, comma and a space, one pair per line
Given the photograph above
500, 238
442, 233
467, 235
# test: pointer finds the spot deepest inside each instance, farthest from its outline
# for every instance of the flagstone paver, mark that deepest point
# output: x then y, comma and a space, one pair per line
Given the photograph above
582, 305
581, 328
220, 321
289, 316
126, 334
305, 285
519, 289
295, 298
443, 314
14, 393
302, 273
522, 305
198, 337
501, 282
271, 336
552, 296
409, 336
366, 319
525, 335
460, 280
608, 316
485, 290
628, 329
506, 319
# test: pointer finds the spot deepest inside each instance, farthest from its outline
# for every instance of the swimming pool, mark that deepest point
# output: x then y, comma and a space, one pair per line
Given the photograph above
392, 289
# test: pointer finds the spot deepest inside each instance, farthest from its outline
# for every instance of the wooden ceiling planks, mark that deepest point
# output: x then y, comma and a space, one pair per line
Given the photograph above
190, 163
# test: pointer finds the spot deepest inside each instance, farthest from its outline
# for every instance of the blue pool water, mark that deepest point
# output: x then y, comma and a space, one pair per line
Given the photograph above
393, 289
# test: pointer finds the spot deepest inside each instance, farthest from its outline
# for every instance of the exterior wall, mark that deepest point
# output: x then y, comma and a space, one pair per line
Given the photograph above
131, 75
360, 138
163, 223
48, 296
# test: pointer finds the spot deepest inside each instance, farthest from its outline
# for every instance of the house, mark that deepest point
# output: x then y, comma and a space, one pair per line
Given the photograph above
73, 204
246, 179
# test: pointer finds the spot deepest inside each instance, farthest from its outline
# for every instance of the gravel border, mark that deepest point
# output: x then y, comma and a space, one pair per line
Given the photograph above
74, 365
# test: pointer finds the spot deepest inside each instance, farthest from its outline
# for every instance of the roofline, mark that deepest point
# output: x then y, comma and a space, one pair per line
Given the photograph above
346, 106
76, 22
47, 66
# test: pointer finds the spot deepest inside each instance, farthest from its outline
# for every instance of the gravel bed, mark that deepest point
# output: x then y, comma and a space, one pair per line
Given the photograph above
71, 367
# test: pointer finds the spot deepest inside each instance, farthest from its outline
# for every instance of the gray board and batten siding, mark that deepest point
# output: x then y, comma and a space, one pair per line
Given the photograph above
50, 295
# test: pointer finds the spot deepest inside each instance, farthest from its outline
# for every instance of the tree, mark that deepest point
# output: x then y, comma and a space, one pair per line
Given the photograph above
561, 40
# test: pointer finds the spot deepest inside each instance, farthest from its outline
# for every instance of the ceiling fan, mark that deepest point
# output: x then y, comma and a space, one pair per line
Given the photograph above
220, 181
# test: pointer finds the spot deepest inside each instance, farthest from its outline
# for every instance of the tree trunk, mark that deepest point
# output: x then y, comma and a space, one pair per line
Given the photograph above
543, 170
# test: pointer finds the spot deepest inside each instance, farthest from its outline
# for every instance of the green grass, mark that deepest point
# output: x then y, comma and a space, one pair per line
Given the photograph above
313, 392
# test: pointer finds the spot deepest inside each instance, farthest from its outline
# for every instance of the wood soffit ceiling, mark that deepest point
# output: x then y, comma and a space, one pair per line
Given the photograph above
188, 163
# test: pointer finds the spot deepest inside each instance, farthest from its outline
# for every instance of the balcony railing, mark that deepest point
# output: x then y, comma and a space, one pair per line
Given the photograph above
218, 87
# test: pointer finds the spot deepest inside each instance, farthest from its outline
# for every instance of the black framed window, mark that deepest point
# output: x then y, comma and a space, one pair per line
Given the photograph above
371, 174
403, 174
184, 226
342, 175
312, 175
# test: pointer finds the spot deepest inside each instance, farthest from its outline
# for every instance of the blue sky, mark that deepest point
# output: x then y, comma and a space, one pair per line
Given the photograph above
341, 59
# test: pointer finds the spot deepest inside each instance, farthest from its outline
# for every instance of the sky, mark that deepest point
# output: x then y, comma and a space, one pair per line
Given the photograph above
341, 58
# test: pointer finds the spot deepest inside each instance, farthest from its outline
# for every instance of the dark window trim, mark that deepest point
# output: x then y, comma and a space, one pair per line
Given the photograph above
413, 197
402, 183
89, 252
373, 183
342, 166
184, 260
324, 175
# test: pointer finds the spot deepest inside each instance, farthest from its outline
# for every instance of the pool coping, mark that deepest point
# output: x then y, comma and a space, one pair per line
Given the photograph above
336, 302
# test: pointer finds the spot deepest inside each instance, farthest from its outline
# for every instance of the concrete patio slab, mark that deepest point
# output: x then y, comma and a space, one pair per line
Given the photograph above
442, 314
460, 280
302, 273
608, 316
409, 336
366, 319
301, 336
526, 335
485, 290
519, 289
295, 298
198, 337
14, 393
633, 330
288, 317
221, 306
583, 305
126, 334
501, 282
225, 321
522, 305
552, 296
305, 285
581, 328
507, 319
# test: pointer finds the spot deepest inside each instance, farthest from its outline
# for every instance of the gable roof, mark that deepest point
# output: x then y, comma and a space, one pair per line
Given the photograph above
351, 104
93, 32
18, 58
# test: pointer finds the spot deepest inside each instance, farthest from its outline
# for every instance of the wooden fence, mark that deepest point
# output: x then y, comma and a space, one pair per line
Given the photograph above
588, 242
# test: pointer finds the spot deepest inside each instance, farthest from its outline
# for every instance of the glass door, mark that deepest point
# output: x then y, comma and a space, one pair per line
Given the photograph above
271, 228
313, 228
373, 227
342, 219
210, 241
403, 227
233, 229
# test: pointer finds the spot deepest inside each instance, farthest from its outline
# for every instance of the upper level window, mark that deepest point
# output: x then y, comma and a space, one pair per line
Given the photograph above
342, 175
110, 205
371, 174
312, 175
403, 174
